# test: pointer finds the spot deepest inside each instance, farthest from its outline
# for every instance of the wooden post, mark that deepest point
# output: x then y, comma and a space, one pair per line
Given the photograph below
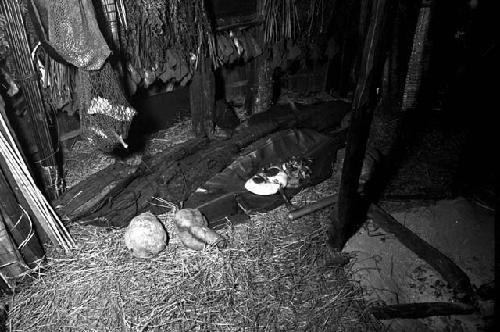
258, 97
399, 54
351, 210
202, 99
418, 64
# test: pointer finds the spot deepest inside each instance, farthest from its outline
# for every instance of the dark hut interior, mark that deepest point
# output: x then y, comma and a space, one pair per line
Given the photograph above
260, 165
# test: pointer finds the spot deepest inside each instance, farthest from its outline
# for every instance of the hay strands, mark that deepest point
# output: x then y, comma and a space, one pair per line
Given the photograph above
41, 209
276, 275
281, 20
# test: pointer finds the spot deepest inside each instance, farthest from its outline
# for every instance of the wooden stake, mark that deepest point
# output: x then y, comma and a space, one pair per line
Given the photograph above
351, 212
420, 310
322, 203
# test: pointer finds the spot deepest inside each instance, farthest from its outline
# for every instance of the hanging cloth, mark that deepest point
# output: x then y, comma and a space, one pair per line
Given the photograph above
75, 35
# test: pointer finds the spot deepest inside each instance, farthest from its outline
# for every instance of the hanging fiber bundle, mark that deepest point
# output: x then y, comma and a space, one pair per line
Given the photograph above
164, 39
57, 81
281, 20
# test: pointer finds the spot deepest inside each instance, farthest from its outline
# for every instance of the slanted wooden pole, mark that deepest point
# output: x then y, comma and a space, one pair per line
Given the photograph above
351, 209
419, 58
420, 310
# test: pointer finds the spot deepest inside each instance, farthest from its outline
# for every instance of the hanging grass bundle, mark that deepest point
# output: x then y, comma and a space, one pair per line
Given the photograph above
281, 20
299, 22
164, 39
58, 84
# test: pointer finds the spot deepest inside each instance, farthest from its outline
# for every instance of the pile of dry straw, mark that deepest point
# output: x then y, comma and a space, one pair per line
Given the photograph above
275, 275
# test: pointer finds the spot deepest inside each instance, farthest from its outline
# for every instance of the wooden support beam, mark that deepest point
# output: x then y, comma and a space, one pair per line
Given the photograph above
322, 203
351, 209
420, 310
419, 59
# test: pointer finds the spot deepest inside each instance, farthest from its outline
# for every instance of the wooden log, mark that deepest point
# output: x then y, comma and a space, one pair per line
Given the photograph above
420, 310
351, 212
418, 63
322, 203
107, 200
454, 276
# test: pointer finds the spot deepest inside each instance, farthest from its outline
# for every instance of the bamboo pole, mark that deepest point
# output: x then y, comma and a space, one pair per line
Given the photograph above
26, 188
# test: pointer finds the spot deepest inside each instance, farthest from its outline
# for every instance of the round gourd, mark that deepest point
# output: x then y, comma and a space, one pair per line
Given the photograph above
145, 236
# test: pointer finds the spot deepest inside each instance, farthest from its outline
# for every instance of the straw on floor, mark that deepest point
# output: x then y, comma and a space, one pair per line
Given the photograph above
276, 275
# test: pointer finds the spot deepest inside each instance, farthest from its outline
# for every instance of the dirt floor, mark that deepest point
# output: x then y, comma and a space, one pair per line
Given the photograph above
392, 274
457, 217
